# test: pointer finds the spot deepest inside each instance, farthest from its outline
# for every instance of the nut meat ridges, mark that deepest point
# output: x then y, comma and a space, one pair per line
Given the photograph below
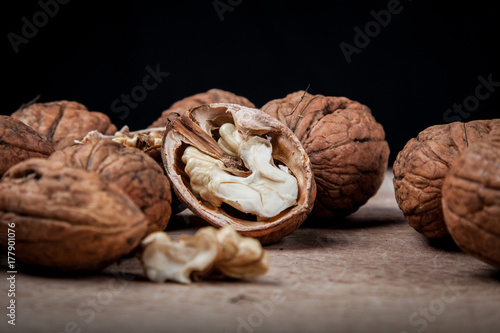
200, 128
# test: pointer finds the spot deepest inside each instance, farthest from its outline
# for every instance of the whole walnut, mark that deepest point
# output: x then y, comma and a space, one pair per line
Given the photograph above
346, 145
132, 170
63, 122
210, 96
66, 218
471, 200
19, 142
421, 166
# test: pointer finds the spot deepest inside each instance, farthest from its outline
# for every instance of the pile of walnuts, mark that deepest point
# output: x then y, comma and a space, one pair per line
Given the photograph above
82, 194
75, 206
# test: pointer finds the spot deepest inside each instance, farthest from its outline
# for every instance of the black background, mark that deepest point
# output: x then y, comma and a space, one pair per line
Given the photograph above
425, 60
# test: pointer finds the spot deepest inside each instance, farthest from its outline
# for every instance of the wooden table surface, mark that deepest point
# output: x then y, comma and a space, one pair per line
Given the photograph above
368, 273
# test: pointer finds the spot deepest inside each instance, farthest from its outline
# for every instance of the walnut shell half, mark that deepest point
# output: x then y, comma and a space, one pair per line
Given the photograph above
234, 144
210, 96
421, 166
19, 142
471, 200
132, 170
63, 122
346, 145
67, 218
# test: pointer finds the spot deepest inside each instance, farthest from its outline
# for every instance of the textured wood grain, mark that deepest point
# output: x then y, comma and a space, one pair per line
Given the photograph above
370, 273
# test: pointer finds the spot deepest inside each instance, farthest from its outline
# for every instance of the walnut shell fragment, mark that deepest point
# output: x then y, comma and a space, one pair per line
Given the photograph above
233, 165
149, 141
208, 250
346, 145
421, 166
138, 175
208, 97
67, 218
471, 200
63, 122
19, 142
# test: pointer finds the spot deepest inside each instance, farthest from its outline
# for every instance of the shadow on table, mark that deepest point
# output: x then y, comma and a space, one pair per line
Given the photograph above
494, 274
372, 218
489, 273
50, 273
444, 243
185, 220
212, 278
127, 267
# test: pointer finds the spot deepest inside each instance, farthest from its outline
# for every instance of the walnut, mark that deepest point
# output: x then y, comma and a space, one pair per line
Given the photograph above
209, 250
233, 165
471, 200
63, 122
421, 166
208, 97
348, 152
131, 169
19, 142
67, 218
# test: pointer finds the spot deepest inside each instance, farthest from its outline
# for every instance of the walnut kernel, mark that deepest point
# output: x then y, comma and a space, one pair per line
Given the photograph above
208, 250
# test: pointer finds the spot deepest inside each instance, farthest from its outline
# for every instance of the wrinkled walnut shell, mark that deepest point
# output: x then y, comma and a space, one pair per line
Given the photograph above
347, 148
63, 122
471, 200
19, 142
132, 170
67, 218
421, 166
195, 126
208, 97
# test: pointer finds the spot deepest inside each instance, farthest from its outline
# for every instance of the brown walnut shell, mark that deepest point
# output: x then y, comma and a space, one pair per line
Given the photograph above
19, 142
421, 166
346, 145
471, 200
208, 97
63, 122
197, 127
132, 170
67, 218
